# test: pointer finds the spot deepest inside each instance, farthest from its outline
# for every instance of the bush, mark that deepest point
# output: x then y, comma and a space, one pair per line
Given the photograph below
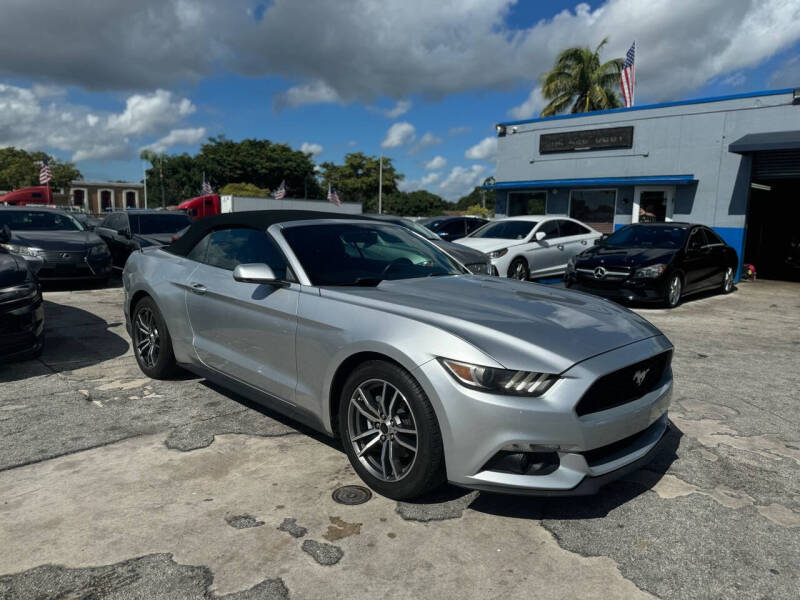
244, 189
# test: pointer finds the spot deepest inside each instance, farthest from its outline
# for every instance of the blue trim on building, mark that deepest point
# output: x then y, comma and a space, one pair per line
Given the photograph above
649, 106
592, 181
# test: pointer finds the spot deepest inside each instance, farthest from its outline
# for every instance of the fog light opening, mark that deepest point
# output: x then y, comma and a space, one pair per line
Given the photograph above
523, 463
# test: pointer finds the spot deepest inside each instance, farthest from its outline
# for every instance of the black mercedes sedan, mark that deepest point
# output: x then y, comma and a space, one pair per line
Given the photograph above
130, 230
475, 260
21, 310
56, 242
655, 262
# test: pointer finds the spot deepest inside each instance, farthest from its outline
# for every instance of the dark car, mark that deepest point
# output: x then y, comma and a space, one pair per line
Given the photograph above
56, 241
655, 262
127, 231
21, 310
88, 221
453, 228
477, 262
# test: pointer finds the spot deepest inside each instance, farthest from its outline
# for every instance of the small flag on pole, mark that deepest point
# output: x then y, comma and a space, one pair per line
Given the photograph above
627, 78
45, 175
280, 193
206, 189
333, 196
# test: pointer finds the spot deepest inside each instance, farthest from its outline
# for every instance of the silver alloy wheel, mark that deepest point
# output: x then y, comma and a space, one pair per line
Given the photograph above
146, 337
382, 430
674, 293
519, 271
728, 284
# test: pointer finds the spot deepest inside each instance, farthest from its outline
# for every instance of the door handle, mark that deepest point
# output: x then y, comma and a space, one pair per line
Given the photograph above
583, 242
560, 246
198, 288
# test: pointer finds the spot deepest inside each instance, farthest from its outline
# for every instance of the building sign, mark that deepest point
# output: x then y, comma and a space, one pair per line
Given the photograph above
588, 139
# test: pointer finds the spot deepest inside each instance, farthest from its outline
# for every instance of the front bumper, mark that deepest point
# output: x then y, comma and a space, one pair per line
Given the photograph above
21, 328
68, 265
643, 290
591, 450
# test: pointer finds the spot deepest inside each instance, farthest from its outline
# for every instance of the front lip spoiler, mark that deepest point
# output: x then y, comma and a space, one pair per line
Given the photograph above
588, 486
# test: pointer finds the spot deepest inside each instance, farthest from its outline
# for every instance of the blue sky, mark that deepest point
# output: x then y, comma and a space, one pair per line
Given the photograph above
340, 77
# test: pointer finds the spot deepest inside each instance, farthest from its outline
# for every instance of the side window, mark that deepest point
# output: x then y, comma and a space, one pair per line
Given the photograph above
572, 228
697, 239
712, 237
227, 248
473, 224
550, 229
198, 253
454, 227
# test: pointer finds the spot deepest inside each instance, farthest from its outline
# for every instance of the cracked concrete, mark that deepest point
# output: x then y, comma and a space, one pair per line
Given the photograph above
325, 554
104, 474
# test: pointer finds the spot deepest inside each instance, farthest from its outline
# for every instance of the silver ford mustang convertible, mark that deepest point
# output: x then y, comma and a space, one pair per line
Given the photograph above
366, 331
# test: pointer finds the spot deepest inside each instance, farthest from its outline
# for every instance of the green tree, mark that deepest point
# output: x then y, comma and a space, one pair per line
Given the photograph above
420, 203
244, 189
357, 179
476, 197
171, 178
19, 168
579, 82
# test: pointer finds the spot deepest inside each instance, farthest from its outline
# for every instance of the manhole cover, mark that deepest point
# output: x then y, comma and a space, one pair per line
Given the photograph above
351, 494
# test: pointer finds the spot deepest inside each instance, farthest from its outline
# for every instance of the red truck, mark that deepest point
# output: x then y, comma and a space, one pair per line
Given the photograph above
201, 206
40, 194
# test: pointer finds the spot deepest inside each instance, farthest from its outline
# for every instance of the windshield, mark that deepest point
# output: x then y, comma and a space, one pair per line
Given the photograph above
148, 224
365, 254
646, 236
507, 230
38, 220
420, 230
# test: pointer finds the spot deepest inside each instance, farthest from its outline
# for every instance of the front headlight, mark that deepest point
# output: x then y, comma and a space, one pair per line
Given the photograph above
499, 381
26, 290
498, 253
22, 250
98, 251
650, 272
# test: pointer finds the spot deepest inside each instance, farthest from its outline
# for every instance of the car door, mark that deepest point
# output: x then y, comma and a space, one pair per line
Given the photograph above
544, 256
718, 265
244, 330
574, 240
109, 231
698, 263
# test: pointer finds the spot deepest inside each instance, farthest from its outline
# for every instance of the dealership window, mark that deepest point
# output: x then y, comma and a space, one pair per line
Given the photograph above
79, 197
105, 200
526, 203
130, 199
595, 208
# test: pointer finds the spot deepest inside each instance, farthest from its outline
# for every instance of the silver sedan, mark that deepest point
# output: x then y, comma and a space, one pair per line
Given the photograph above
426, 372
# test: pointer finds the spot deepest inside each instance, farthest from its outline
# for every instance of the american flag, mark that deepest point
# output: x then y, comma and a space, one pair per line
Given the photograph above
627, 78
206, 188
45, 176
333, 196
280, 193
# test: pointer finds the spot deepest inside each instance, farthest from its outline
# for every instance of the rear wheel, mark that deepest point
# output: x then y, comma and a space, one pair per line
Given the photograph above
672, 291
390, 432
727, 281
152, 344
518, 269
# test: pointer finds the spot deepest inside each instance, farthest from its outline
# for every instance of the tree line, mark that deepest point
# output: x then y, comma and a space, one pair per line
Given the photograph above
19, 169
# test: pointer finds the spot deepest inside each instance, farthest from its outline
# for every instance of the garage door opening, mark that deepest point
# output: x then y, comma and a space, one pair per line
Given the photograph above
773, 234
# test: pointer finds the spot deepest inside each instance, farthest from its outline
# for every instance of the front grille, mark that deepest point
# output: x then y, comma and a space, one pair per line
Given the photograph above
58, 256
625, 385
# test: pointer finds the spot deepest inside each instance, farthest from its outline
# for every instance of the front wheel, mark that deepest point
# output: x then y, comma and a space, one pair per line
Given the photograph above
672, 291
390, 432
152, 344
727, 281
518, 269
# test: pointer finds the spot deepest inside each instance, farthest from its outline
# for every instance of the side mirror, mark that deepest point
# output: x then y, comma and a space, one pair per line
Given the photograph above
257, 273
5, 234
601, 239
540, 235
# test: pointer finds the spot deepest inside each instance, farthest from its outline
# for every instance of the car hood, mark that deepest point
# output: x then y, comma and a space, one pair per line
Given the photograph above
74, 241
154, 239
519, 324
488, 244
465, 255
13, 270
609, 256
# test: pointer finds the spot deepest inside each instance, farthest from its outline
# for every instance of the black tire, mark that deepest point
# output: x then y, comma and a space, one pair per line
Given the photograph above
519, 270
161, 364
727, 280
425, 471
671, 297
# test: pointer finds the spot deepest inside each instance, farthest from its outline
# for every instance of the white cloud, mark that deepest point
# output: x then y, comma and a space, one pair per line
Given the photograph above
178, 137
33, 121
430, 178
400, 108
151, 113
735, 80
399, 134
461, 180
311, 148
315, 92
486, 149
532, 106
437, 162
429, 139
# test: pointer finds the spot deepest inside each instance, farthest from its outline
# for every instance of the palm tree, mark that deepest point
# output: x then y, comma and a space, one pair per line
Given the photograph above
578, 79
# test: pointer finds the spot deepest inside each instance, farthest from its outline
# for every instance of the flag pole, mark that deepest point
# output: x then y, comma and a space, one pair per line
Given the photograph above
144, 169
380, 185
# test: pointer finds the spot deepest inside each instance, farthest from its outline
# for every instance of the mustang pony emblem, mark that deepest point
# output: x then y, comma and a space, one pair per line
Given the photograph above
638, 377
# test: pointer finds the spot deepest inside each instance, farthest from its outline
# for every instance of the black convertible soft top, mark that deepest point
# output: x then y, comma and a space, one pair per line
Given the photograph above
252, 219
